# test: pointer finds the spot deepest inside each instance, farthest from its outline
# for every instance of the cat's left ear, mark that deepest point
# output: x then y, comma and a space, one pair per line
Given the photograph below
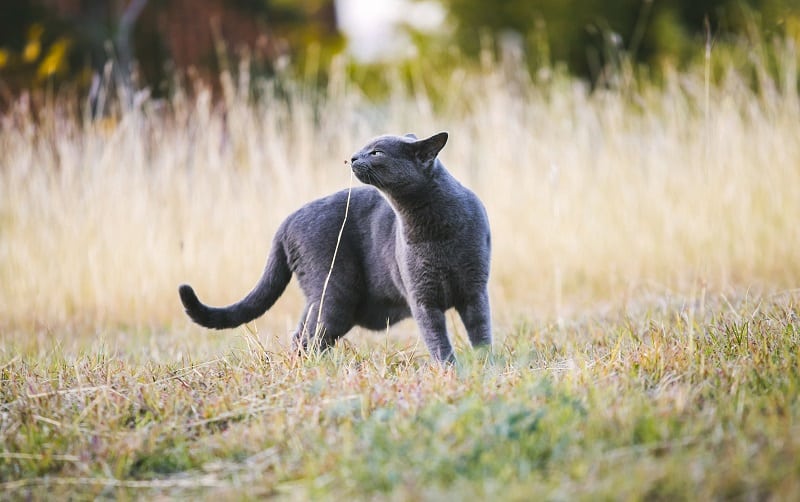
429, 148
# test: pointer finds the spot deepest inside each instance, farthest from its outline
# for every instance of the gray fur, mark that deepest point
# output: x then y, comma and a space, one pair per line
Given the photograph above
416, 246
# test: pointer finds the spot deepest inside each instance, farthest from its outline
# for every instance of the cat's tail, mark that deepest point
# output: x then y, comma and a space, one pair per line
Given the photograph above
271, 285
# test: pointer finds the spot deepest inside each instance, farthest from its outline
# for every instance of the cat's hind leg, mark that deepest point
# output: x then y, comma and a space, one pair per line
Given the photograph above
320, 332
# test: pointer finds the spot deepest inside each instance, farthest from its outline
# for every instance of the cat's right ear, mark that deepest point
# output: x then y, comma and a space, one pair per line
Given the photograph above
411, 135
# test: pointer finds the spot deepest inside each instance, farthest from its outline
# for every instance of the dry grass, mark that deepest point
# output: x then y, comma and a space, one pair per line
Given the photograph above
645, 249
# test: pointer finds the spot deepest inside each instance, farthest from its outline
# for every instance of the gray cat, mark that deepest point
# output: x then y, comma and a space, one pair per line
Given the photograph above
415, 243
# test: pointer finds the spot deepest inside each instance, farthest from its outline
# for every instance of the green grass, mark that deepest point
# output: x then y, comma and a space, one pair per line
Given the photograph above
687, 399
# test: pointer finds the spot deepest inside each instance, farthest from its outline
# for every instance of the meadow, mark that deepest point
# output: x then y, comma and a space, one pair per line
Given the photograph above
646, 263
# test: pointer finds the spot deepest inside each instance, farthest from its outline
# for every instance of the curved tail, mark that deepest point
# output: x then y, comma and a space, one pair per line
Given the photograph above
268, 289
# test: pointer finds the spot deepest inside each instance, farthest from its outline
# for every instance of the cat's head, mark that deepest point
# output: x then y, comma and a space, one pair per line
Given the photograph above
398, 164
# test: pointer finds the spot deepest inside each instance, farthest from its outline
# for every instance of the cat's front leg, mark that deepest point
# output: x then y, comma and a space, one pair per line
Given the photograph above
433, 327
476, 316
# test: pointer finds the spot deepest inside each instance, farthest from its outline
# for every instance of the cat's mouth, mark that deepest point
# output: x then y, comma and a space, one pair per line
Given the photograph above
362, 172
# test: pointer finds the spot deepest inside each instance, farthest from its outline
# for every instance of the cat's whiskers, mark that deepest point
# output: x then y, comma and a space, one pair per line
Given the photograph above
375, 178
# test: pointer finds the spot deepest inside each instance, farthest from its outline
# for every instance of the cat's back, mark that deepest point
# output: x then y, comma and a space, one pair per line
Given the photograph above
322, 218
332, 207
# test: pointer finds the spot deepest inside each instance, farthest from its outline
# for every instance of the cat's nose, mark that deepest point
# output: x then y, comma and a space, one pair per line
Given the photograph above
354, 159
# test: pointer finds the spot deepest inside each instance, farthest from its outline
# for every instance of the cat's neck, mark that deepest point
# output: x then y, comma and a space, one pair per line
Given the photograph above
430, 214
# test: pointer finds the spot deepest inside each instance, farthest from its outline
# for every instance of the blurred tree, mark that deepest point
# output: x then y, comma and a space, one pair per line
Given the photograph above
589, 34
71, 40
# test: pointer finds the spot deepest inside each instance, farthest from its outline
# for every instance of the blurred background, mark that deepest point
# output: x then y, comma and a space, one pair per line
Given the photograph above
628, 151
69, 42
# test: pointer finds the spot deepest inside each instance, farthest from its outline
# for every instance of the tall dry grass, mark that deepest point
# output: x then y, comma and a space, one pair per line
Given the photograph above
595, 198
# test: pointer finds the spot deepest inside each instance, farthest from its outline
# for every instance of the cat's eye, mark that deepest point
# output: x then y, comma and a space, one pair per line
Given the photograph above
376, 153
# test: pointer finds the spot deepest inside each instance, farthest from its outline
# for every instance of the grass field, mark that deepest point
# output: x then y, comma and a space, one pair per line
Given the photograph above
644, 285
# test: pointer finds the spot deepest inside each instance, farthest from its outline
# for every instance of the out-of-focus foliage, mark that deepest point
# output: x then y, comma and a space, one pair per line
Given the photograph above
62, 41
66, 41
34, 47
589, 35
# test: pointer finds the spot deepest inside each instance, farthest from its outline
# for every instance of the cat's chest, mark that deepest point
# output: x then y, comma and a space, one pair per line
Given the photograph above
431, 270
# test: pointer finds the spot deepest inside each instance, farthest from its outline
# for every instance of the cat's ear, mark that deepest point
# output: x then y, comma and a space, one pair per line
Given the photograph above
429, 148
411, 135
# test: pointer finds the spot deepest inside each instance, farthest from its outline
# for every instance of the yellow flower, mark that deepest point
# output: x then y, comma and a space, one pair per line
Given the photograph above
34, 46
56, 59
4, 57
31, 51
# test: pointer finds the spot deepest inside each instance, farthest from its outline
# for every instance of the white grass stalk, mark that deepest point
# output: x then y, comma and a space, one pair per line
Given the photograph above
320, 328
